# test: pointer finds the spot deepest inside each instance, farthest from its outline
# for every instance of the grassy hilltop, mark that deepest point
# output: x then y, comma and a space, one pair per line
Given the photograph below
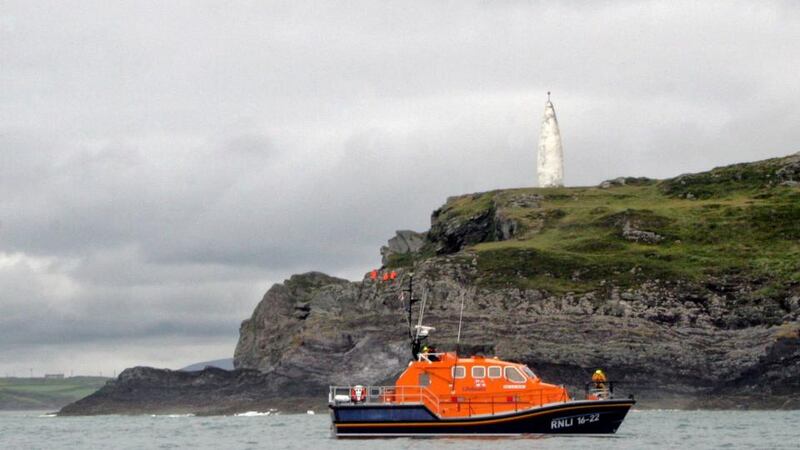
40, 393
737, 222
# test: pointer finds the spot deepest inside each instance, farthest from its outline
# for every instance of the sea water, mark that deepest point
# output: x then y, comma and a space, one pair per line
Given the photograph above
641, 429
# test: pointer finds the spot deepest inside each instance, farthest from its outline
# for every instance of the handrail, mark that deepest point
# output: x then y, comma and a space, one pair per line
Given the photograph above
425, 356
600, 389
385, 394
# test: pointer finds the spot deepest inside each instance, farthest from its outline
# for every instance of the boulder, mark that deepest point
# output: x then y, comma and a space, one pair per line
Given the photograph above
404, 242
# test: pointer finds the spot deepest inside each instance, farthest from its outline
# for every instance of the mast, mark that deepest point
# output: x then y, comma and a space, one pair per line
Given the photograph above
458, 342
415, 335
420, 332
460, 319
411, 301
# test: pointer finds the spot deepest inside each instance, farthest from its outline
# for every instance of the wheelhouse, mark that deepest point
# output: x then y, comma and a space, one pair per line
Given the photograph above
476, 385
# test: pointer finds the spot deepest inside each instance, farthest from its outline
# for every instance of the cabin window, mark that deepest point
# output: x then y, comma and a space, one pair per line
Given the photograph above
513, 375
529, 372
495, 372
424, 379
478, 372
459, 372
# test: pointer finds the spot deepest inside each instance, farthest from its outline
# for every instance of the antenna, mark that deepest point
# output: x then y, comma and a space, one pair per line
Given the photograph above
421, 314
420, 332
411, 301
548, 96
458, 338
460, 319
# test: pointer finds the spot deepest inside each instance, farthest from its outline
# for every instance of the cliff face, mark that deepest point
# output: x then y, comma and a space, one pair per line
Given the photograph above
687, 290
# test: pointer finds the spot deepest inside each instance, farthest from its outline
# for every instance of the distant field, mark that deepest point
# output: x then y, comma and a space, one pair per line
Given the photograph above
38, 393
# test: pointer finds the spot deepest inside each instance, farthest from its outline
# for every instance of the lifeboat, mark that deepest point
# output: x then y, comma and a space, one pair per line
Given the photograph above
444, 394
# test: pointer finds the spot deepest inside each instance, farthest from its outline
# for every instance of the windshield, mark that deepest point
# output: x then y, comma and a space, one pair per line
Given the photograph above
529, 372
513, 375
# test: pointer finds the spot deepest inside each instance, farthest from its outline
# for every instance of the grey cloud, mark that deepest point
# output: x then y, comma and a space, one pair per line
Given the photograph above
162, 163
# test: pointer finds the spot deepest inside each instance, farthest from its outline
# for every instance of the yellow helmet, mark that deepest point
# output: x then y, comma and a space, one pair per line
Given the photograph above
598, 371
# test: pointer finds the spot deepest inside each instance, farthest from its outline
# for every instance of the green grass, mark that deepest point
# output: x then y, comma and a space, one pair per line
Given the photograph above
403, 260
39, 393
571, 240
747, 178
466, 205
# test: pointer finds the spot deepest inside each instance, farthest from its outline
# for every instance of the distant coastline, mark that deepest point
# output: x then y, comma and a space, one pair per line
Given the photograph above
17, 393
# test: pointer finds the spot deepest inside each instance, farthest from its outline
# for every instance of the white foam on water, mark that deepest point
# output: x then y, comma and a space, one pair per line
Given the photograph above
47, 415
172, 416
253, 414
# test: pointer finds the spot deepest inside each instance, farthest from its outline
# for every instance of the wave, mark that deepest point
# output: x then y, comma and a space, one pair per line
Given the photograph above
172, 415
255, 413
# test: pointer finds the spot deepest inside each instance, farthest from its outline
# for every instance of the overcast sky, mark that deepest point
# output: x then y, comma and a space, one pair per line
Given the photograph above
163, 163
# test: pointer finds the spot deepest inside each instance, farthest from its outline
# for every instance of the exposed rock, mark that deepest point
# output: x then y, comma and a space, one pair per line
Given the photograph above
631, 222
789, 172
404, 242
774, 378
505, 227
723, 181
666, 342
282, 313
452, 230
622, 181
525, 200
630, 233
145, 390
452, 233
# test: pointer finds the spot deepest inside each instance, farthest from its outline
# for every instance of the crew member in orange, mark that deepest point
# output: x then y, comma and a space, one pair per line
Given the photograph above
600, 380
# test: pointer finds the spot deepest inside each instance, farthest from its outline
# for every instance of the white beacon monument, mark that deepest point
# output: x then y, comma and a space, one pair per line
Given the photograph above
551, 156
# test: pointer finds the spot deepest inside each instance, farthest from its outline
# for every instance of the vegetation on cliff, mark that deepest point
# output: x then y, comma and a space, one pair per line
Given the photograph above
733, 224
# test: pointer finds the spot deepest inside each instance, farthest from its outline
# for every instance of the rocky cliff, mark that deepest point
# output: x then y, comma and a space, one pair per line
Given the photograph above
686, 290
211, 391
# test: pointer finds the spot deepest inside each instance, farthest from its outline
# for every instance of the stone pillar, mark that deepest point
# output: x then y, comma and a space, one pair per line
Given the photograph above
551, 156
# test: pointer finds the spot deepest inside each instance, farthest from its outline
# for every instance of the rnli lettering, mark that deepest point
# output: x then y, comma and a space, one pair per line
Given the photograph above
567, 422
475, 389
555, 424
